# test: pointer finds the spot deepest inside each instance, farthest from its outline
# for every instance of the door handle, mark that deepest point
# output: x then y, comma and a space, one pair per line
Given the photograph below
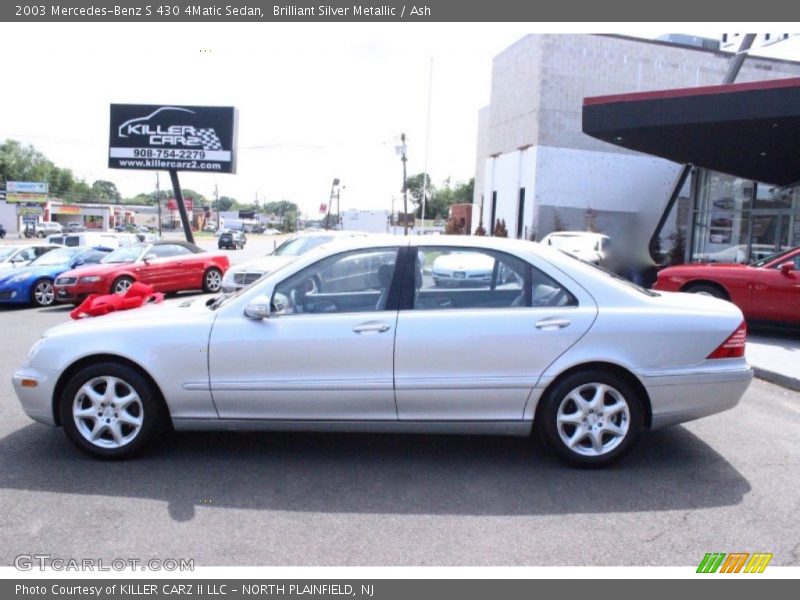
372, 327
552, 323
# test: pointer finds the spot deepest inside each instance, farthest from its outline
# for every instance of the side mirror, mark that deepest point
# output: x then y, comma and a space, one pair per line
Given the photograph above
149, 257
258, 309
77, 263
787, 268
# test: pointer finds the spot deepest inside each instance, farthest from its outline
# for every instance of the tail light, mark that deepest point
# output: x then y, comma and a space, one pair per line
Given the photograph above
733, 347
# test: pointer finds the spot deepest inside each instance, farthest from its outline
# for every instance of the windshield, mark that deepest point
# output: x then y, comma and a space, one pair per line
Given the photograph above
6, 252
301, 245
125, 254
770, 258
55, 257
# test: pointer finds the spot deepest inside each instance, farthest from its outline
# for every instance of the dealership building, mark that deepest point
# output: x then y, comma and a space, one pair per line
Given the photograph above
592, 132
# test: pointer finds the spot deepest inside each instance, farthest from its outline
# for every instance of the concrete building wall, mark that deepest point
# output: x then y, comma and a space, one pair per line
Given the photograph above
531, 135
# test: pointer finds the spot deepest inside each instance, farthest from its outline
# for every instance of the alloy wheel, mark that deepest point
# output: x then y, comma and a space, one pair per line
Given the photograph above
43, 294
108, 412
593, 419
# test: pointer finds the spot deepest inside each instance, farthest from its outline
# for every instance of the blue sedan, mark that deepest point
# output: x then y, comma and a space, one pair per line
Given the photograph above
34, 284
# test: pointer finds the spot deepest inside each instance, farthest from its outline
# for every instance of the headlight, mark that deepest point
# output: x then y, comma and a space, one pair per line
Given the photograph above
91, 279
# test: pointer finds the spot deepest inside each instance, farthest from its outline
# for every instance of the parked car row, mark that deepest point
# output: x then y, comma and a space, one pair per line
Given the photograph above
43, 274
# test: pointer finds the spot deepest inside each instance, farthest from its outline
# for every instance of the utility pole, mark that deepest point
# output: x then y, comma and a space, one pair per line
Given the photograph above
338, 211
216, 200
158, 201
404, 159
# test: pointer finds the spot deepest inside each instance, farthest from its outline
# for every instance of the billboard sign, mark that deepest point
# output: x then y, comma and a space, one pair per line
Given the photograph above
26, 191
172, 204
167, 137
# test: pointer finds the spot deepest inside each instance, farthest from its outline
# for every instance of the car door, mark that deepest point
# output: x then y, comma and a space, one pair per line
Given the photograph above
165, 272
475, 350
776, 295
326, 352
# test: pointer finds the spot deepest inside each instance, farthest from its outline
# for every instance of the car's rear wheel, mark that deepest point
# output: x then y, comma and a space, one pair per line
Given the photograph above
42, 293
121, 285
212, 281
590, 418
111, 410
706, 289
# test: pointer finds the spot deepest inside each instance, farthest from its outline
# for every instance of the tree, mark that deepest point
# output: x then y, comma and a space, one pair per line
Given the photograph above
281, 208
414, 186
464, 192
226, 203
106, 191
25, 163
441, 199
289, 224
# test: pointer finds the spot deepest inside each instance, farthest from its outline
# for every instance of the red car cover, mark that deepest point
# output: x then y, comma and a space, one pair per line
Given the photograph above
97, 304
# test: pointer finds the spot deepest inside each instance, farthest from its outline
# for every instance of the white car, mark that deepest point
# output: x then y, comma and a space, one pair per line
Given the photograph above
588, 246
12, 257
245, 273
585, 359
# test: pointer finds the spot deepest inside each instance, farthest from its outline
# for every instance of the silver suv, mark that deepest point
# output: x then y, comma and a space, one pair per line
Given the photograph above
46, 228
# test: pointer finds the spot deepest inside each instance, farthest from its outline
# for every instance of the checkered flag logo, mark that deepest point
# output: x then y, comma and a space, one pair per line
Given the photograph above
209, 139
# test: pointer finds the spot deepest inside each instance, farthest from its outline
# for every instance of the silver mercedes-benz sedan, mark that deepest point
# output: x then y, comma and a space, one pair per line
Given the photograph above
357, 336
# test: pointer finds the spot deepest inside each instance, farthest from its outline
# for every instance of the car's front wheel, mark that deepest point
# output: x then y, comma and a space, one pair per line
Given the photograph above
110, 410
42, 293
590, 418
212, 281
121, 285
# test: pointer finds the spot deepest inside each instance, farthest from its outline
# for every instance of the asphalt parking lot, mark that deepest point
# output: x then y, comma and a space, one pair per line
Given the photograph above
722, 484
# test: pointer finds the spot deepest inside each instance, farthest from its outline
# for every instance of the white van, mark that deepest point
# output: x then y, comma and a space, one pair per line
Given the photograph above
93, 238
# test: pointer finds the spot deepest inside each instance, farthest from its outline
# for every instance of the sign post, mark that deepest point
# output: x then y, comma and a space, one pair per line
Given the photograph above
173, 138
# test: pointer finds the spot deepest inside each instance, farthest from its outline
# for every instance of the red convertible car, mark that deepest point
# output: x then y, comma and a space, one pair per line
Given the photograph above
766, 290
170, 266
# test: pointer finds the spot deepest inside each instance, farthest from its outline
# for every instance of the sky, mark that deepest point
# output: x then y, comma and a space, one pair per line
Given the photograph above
316, 101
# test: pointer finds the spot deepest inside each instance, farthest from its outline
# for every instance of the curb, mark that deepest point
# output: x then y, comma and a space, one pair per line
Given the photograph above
785, 381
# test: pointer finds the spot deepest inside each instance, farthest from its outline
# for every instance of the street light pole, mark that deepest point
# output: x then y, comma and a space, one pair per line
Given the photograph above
330, 201
404, 159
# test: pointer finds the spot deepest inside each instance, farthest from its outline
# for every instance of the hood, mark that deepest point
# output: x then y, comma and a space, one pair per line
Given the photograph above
265, 264
175, 311
97, 269
47, 271
694, 267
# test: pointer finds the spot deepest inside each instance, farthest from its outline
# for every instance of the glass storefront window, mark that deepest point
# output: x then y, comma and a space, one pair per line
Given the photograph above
736, 220
721, 218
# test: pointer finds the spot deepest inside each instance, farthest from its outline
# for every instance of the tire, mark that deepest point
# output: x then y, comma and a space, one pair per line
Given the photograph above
42, 293
212, 281
121, 285
114, 424
706, 289
576, 422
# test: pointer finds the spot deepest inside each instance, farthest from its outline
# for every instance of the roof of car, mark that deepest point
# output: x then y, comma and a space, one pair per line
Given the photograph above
188, 245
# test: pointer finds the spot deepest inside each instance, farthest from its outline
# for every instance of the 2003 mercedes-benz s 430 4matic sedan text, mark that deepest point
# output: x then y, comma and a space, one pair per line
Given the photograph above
356, 336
